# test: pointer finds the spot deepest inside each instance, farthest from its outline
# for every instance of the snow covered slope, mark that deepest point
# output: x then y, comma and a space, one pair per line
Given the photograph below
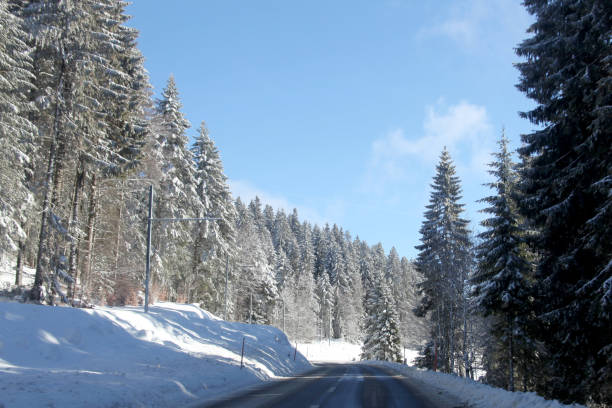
123, 357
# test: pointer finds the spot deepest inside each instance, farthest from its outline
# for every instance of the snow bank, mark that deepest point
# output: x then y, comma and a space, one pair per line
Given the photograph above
175, 354
472, 393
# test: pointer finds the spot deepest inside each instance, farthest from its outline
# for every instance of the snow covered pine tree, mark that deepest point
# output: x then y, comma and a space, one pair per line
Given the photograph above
567, 180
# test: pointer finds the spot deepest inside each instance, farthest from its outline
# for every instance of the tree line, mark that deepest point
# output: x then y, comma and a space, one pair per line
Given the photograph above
526, 303
536, 283
82, 139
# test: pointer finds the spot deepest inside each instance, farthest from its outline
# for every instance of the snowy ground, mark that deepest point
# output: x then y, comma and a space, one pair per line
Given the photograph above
338, 351
7, 274
110, 357
445, 387
335, 351
176, 354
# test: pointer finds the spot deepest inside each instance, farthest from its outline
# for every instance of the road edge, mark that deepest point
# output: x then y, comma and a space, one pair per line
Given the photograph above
434, 396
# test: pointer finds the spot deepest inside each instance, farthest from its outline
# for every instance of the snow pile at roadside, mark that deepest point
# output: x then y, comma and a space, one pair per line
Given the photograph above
172, 356
472, 393
336, 351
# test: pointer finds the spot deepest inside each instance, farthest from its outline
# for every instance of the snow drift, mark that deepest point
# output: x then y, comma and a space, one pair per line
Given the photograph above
175, 354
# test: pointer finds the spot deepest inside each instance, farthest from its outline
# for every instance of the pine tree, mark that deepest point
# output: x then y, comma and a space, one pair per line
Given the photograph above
321, 246
285, 244
215, 238
78, 50
17, 133
388, 326
255, 266
259, 221
502, 282
304, 286
176, 196
126, 103
325, 299
348, 290
381, 325
567, 182
444, 260
371, 347
353, 302
412, 328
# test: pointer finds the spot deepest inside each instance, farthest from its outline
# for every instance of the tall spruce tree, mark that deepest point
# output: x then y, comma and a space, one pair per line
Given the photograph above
567, 183
109, 161
305, 318
77, 48
256, 292
444, 261
381, 326
176, 196
17, 133
352, 304
388, 326
502, 281
214, 239
412, 328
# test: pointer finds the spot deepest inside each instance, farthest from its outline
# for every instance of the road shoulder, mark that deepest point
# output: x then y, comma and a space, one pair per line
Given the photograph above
436, 397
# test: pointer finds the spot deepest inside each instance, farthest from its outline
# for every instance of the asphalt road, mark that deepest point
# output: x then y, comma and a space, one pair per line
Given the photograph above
332, 385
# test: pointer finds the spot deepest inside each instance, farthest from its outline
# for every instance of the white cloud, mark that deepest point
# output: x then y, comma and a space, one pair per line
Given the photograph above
247, 192
475, 23
462, 31
463, 128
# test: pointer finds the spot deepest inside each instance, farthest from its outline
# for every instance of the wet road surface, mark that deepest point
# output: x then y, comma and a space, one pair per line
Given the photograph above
332, 385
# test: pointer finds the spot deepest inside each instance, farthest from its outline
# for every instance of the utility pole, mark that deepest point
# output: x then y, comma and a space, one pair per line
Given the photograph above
250, 306
148, 256
283, 315
148, 263
149, 220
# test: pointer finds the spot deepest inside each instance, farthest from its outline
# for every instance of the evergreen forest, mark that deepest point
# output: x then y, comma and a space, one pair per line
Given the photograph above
522, 302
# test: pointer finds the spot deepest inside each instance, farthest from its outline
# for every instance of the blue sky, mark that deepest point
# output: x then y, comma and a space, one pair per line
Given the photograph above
341, 108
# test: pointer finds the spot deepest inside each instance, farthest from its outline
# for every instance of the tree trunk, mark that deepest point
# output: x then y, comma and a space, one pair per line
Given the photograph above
37, 290
452, 338
91, 219
118, 236
19, 266
471, 351
525, 377
436, 345
196, 255
72, 229
466, 360
511, 353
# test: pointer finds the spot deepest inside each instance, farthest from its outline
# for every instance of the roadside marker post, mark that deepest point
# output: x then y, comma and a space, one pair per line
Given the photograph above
242, 355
